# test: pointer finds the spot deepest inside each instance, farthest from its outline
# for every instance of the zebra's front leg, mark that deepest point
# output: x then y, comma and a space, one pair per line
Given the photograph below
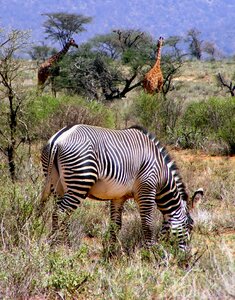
146, 208
176, 231
164, 234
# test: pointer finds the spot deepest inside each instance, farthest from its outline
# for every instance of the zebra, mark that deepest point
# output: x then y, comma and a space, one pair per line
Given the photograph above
114, 165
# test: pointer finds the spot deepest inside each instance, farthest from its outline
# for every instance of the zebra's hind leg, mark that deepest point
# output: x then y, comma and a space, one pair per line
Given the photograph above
60, 225
59, 228
116, 208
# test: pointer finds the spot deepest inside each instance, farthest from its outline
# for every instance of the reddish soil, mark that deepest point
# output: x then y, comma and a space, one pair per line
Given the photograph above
187, 155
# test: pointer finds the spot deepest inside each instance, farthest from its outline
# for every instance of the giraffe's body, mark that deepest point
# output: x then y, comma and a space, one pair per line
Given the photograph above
45, 69
153, 79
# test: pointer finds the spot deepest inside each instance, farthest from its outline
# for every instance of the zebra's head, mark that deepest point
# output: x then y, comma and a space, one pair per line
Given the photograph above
196, 199
198, 194
190, 223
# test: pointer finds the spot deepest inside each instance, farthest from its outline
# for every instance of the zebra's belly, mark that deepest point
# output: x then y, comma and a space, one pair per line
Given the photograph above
109, 190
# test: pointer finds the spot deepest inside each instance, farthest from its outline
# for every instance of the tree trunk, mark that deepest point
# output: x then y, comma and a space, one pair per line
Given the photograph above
11, 162
12, 143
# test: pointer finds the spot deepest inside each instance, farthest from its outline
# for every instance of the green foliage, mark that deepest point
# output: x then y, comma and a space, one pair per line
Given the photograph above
145, 109
41, 108
108, 66
61, 26
157, 113
135, 58
213, 119
107, 44
65, 274
90, 74
54, 113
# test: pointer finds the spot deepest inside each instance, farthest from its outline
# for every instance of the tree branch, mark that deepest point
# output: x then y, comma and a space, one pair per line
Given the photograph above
230, 86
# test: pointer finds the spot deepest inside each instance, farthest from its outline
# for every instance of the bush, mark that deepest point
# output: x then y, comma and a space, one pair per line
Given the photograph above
157, 113
212, 120
144, 109
48, 114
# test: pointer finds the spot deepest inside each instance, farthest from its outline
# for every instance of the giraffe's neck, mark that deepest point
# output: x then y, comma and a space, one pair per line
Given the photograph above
57, 57
158, 56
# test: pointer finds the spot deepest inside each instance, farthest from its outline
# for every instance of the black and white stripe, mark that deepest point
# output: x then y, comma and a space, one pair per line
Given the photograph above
115, 165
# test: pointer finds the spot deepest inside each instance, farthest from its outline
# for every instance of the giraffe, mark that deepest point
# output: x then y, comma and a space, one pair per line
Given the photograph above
45, 69
153, 79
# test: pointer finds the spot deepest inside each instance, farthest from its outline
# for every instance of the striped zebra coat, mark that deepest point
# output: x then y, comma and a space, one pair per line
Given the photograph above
86, 161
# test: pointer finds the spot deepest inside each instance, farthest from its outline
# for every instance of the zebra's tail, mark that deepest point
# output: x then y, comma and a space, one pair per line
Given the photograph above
47, 187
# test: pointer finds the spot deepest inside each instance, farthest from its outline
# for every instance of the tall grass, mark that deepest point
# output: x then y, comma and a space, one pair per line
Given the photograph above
29, 267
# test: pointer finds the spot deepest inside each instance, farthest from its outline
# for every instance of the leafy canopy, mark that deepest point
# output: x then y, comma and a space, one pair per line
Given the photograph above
62, 26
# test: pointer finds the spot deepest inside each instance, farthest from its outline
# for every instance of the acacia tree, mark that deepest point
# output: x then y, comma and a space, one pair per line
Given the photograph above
211, 49
13, 130
107, 45
60, 27
172, 61
195, 44
108, 66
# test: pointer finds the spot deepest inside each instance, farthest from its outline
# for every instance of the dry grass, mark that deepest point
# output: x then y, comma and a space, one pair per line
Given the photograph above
30, 269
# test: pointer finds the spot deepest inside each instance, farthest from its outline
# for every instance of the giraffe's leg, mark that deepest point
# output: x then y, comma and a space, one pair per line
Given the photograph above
159, 85
53, 88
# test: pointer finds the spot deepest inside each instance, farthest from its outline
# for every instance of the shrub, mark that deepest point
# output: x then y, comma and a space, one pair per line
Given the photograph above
157, 113
212, 120
144, 108
48, 114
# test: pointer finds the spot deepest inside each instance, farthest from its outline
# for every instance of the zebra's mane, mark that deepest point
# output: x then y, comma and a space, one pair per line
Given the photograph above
168, 160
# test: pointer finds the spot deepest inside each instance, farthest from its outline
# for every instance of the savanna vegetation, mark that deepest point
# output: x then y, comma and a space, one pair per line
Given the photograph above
100, 84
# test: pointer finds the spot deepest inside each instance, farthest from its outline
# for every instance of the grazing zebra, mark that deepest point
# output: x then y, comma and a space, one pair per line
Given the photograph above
104, 164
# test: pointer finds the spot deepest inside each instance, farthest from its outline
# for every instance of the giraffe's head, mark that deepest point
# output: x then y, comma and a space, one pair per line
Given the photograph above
160, 41
72, 42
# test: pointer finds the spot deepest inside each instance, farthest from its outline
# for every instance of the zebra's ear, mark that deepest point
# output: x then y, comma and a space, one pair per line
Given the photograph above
197, 198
